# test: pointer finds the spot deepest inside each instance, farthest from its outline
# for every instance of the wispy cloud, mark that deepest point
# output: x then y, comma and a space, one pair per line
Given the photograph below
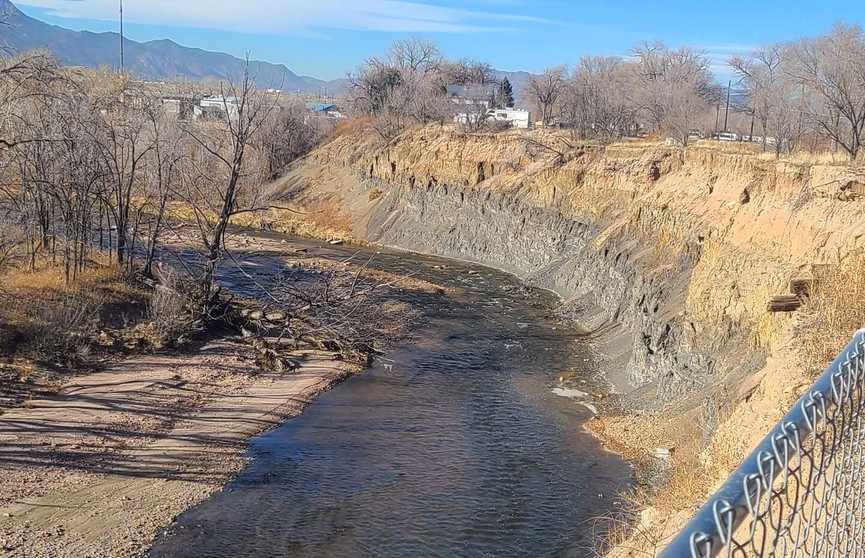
719, 54
290, 17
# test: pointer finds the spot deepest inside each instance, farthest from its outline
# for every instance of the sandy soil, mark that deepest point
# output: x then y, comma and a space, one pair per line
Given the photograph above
97, 470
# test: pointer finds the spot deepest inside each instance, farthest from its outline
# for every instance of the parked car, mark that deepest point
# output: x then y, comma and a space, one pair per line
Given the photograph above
726, 136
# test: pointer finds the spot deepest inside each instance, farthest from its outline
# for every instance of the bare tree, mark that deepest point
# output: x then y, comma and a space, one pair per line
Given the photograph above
62, 180
124, 141
164, 166
474, 105
764, 78
372, 85
596, 101
468, 72
24, 78
544, 91
287, 134
415, 55
406, 87
831, 67
218, 173
672, 88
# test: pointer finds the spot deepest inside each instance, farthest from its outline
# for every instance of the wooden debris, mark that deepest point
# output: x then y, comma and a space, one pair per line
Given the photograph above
784, 303
801, 287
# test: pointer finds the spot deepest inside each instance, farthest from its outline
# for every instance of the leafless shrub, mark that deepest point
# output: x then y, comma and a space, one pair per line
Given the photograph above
64, 329
170, 310
11, 242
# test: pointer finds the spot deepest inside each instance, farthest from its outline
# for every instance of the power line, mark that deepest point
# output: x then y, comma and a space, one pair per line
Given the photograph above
121, 36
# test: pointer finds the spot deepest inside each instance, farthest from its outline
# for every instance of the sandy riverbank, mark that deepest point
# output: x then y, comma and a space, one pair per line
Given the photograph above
100, 468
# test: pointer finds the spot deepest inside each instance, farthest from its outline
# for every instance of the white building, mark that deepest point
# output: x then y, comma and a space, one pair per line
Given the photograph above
518, 118
216, 107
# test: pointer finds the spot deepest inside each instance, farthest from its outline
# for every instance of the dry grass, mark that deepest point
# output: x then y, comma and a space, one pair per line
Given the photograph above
756, 150
320, 218
326, 214
49, 320
349, 126
646, 518
837, 310
650, 512
49, 329
102, 283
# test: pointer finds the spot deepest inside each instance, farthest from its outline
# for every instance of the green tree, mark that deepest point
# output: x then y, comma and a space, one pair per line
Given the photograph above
505, 94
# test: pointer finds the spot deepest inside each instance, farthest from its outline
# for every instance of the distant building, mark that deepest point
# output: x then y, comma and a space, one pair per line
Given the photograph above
178, 105
468, 118
518, 118
320, 107
327, 110
472, 95
217, 107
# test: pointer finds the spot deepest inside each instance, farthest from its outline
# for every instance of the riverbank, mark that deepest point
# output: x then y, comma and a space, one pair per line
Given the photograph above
666, 258
456, 443
100, 468
102, 461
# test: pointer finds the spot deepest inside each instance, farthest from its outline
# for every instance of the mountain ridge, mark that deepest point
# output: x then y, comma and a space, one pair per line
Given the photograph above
160, 59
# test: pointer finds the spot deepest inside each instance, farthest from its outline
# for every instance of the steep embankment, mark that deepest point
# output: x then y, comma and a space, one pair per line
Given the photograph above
667, 256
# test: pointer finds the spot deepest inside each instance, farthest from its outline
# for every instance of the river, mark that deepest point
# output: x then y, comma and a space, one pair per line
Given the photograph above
454, 445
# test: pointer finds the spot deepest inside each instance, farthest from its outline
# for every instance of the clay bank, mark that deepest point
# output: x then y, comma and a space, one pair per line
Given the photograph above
667, 259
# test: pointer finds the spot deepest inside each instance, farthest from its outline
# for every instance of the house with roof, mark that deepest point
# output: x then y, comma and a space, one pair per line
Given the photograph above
472, 95
217, 107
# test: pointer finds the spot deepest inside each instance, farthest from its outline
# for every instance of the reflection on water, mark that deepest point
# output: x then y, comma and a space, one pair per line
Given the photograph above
458, 447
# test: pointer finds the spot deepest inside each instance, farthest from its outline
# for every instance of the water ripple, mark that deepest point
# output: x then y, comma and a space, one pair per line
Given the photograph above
457, 450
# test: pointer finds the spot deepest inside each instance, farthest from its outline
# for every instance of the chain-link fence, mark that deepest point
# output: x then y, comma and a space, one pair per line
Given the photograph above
800, 493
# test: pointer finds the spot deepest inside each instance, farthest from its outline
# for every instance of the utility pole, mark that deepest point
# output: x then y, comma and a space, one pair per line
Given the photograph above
727, 111
717, 116
121, 36
754, 116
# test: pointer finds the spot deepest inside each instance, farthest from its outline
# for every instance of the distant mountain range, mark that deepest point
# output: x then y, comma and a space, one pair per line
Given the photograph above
158, 60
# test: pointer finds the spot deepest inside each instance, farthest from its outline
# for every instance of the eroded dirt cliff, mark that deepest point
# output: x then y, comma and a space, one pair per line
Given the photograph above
665, 256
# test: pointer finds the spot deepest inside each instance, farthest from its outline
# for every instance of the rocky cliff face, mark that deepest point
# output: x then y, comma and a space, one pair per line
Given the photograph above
675, 251
666, 257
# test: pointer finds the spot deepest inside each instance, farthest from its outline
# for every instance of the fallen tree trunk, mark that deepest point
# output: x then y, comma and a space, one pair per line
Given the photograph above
784, 303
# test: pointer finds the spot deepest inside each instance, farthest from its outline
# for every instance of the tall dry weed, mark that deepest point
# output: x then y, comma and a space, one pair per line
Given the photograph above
837, 310
171, 311
64, 329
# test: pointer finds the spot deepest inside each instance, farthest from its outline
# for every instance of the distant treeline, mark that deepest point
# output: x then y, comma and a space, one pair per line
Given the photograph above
804, 94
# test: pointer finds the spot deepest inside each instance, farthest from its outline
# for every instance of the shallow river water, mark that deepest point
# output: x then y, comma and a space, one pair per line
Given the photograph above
453, 446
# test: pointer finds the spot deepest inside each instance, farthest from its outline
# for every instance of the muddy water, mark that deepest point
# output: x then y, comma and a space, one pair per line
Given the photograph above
456, 445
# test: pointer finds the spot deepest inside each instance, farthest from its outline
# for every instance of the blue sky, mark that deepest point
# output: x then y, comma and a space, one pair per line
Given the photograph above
327, 38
